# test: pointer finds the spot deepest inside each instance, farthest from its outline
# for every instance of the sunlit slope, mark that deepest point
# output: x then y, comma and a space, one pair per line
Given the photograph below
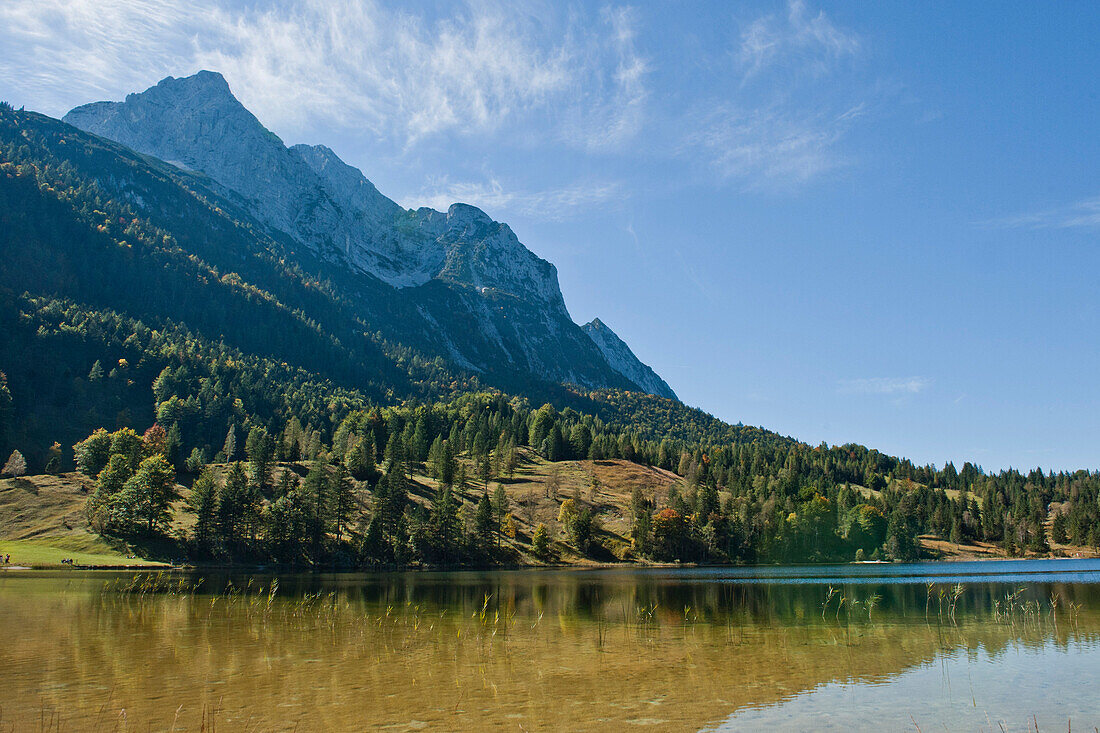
48, 510
42, 523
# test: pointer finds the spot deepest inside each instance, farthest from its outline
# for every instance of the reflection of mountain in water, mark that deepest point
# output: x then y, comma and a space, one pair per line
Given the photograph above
554, 650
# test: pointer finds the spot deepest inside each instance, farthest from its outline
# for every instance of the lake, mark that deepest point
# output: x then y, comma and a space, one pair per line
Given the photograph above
961, 646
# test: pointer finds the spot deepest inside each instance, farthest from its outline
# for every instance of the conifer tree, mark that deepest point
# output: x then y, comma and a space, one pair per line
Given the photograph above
359, 460
500, 507
229, 448
483, 521
261, 452
444, 521
236, 506
484, 469
316, 490
16, 465
203, 503
343, 500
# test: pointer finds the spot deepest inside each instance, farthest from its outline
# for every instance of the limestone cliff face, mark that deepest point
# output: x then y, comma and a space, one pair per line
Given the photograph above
623, 361
500, 303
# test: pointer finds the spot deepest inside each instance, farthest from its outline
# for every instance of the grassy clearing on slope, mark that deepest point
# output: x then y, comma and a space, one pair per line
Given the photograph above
37, 554
42, 523
952, 494
538, 488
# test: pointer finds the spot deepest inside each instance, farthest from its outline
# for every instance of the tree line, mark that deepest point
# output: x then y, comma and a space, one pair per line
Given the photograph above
344, 496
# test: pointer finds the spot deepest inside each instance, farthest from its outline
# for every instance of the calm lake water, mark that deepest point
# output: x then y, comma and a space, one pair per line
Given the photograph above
961, 646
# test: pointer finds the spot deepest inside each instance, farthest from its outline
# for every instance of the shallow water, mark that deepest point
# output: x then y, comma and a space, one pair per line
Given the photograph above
875, 647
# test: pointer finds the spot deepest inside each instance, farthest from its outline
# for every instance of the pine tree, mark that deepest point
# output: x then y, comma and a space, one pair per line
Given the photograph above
313, 446
343, 499
173, 442
236, 506
291, 443
460, 478
196, 461
357, 461
483, 521
510, 459
1058, 528
16, 465
500, 506
288, 482
203, 503
372, 548
435, 458
444, 521
261, 452
392, 495
229, 448
641, 525
421, 439
447, 464
317, 491
96, 372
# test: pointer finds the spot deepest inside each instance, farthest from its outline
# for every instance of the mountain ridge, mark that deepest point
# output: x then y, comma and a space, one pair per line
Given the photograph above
494, 284
622, 359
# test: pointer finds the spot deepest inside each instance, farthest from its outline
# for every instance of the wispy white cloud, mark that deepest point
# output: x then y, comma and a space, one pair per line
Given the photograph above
351, 63
615, 95
1080, 214
781, 124
889, 386
771, 148
808, 40
557, 204
61, 49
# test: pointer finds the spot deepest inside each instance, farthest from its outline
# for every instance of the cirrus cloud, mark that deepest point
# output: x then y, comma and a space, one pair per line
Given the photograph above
359, 64
789, 103
556, 204
890, 386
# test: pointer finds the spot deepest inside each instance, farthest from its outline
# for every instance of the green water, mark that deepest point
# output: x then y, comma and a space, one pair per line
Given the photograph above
871, 647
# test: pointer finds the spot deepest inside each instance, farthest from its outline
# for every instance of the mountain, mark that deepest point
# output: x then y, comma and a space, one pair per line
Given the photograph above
135, 292
622, 359
457, 284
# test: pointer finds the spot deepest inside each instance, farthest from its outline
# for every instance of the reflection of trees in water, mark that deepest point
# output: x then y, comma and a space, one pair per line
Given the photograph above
991, 614
523, 636
586, 597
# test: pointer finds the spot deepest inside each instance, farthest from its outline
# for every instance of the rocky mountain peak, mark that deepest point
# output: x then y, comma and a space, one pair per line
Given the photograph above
459, 214
308, 193
205, 80
623, 360
171, 119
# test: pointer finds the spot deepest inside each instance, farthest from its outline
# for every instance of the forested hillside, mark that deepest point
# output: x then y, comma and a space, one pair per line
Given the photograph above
162, 338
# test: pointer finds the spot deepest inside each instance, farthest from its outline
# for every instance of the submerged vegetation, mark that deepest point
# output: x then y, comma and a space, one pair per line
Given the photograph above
501, 649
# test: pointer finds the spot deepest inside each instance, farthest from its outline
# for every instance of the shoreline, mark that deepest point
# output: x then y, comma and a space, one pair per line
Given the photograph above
303, 569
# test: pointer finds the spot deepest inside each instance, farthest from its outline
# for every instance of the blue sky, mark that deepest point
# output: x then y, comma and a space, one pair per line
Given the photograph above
869, 222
